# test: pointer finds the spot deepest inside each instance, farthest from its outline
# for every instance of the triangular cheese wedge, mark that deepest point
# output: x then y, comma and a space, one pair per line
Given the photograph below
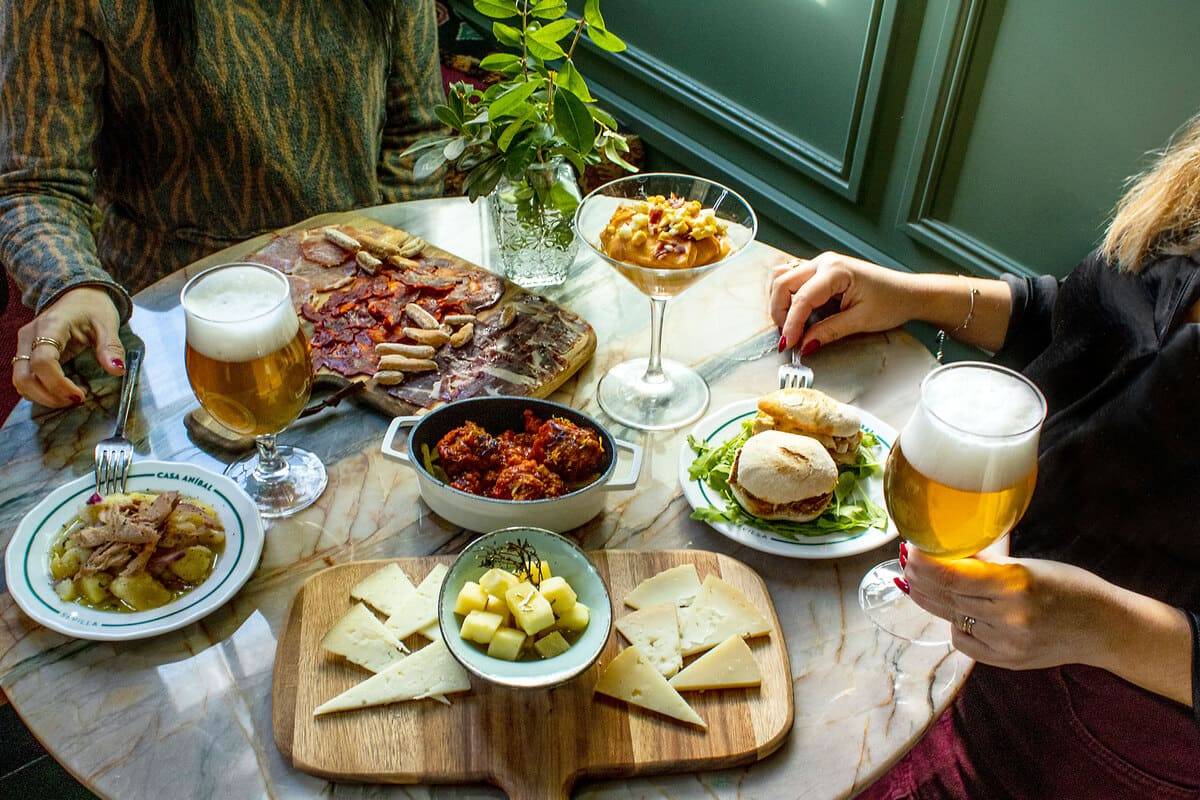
362, 639
654, 630
729, 665
431, 631
677, 585
718, 612
384, 590
632, 678
429, 672
420, 609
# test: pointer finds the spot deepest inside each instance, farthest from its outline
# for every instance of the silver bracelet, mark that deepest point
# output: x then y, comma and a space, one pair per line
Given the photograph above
941, 334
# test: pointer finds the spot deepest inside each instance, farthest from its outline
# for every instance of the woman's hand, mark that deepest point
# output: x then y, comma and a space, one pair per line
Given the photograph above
873, 298
80, 318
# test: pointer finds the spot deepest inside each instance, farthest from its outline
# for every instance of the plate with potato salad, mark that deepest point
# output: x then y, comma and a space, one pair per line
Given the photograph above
177, 544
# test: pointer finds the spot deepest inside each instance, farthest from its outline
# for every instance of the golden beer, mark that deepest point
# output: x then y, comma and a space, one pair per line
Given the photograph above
260, 396
945, 521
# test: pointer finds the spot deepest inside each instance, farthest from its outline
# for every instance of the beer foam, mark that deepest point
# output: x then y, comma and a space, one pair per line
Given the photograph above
239, 313
975, 429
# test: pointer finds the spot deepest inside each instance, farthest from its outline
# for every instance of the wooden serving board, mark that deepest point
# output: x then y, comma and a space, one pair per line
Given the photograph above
532, 743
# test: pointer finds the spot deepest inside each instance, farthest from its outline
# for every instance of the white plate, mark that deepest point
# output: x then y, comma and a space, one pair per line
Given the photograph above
27, 560
727, 423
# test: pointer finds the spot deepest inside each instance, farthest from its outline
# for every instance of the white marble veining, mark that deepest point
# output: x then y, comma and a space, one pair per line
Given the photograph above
189, 714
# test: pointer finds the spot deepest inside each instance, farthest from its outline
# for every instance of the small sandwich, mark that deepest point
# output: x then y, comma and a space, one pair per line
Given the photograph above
780, 475
811, 413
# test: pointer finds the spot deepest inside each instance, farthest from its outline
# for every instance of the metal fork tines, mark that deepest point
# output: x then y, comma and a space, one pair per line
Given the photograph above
795, 375
114, 455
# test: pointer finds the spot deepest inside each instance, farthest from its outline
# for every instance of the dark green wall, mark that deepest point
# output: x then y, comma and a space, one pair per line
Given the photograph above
982, 135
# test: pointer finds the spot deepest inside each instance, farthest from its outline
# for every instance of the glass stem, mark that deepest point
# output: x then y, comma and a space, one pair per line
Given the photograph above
654, 371
271, 465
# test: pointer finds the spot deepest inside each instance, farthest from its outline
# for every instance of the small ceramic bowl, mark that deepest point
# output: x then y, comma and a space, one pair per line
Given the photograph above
565, 559
497, 414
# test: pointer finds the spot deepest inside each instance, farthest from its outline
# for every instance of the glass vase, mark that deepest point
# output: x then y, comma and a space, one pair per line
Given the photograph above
532, 234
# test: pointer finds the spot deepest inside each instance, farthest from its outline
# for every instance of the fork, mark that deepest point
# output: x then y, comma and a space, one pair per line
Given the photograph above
114, 455
795, 375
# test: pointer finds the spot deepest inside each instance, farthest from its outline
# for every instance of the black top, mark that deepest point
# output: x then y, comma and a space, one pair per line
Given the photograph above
1119, 463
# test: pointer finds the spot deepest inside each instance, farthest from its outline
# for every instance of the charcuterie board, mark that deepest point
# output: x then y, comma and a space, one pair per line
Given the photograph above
531, 743
521, 343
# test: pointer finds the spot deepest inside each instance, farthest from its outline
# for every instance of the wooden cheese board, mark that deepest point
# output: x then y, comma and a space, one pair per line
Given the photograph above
523, 343
533, 743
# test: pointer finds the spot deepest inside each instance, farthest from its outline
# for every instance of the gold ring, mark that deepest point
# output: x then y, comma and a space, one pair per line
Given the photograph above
55, 343
967, 625
15, 359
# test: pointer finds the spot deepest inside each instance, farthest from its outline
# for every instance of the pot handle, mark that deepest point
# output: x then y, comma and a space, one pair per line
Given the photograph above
635, 468
389, 439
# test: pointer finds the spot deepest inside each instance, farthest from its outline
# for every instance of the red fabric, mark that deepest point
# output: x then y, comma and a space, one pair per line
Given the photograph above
11, 321
1064, 733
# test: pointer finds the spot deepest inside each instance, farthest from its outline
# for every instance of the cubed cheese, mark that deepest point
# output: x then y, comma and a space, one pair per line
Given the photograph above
543, 573
559, 593
506, 644
576, 619
498, 581
551, 645
530, 610
361, 639
480, 626
471, 597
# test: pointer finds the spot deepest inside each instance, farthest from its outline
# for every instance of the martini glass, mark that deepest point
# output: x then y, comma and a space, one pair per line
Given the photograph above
656, 394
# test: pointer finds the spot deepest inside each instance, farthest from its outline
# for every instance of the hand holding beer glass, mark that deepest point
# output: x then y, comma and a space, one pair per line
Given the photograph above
959, 477
248, 362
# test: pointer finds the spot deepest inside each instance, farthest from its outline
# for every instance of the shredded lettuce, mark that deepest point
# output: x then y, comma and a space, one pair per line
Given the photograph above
851, 509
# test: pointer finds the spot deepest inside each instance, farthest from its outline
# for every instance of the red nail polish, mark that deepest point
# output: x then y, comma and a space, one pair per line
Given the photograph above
810, 347
901, 584
903, 555
118, 363
782, 343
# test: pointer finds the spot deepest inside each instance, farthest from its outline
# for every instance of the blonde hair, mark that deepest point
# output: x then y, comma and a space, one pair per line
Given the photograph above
1160, 211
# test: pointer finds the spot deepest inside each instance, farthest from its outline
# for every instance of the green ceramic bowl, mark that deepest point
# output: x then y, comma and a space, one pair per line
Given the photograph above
567, 560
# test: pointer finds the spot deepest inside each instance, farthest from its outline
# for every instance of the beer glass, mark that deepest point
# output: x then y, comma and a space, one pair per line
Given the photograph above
248, 363
959, 477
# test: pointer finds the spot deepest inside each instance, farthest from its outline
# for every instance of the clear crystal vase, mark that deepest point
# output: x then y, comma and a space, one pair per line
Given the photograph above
532, 234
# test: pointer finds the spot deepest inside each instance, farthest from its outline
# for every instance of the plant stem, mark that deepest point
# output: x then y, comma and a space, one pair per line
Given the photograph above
575, 41
524, 33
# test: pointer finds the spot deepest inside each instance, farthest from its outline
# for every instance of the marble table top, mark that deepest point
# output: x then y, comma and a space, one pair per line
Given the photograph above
188, 714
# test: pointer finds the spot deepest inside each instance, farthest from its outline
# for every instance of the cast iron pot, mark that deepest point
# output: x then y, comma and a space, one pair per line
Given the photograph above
497, 414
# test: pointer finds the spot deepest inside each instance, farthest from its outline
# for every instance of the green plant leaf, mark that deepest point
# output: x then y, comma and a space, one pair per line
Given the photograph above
454, 148
603, 117
510, 99
543, 50
500, 61
573, 122
563, 197
506, 34
571, 156
497, 9
510, 130
605, 40
548, 9
483, 179
425, 144
570, 79
448, 117
553, 32
591, 14
428, 164
613, 154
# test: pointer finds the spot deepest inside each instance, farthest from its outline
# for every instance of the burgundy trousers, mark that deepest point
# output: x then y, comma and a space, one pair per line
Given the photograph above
1063, 733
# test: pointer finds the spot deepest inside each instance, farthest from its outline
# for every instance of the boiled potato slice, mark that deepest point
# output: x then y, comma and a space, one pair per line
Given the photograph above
506, 644
498, 581
543, 573
67, 589
95, 588
530, 610
140, 591
194, 565
551, 645
559, 593
480, 626
471, 597
576, 619
496, 605
67, 564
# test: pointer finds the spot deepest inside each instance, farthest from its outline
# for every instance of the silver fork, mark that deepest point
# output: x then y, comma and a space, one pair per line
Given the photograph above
795, 375
114, 455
